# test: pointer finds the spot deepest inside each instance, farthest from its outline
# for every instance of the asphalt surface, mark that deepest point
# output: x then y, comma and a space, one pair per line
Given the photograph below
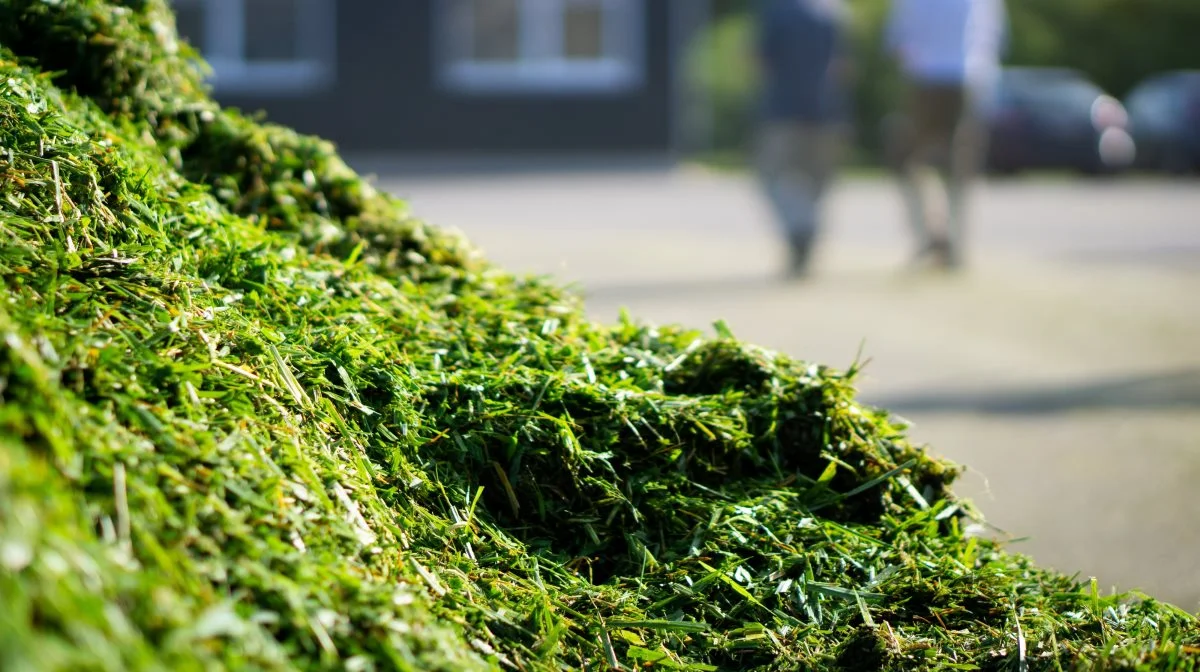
1063, 367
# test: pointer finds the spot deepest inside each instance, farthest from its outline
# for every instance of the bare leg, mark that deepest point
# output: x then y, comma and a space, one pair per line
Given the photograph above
906, 163
784, 157
969, 148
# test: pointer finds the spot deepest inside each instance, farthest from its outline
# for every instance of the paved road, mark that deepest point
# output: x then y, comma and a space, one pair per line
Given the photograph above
1064, 368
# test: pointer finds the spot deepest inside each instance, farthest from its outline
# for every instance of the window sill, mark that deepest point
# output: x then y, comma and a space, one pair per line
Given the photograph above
270, 78
545, 78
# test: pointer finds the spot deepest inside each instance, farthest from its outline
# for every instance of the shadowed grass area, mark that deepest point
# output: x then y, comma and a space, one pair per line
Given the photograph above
255, 415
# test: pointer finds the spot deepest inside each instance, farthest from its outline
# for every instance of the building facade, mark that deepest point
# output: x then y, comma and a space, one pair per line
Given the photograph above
456, 76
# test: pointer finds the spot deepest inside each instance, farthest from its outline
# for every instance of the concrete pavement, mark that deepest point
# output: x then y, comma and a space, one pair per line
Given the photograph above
1063, 368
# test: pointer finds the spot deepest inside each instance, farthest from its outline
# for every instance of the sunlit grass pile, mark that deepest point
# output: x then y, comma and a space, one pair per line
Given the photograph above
255, 415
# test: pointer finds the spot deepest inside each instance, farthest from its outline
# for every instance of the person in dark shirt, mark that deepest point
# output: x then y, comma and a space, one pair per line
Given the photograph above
804, 68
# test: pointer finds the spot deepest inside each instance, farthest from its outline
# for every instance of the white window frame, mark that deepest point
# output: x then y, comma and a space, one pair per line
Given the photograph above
542, 68
224, 49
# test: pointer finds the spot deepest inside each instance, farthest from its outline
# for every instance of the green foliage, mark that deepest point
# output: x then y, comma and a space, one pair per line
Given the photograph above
254, 415
721, 62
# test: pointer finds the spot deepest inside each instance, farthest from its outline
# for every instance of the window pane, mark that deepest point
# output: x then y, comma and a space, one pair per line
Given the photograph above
271, 30
495, 31
583, 34
189, 20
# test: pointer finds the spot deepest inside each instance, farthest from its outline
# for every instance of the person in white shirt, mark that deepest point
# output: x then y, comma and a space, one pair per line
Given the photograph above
949, 52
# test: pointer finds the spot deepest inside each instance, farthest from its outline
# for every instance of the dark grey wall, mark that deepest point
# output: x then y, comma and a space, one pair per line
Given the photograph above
386, 98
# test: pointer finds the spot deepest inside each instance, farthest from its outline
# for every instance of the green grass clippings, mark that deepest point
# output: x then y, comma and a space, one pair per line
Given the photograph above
255, 415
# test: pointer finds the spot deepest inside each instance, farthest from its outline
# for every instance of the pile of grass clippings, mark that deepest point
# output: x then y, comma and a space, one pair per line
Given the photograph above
254, 415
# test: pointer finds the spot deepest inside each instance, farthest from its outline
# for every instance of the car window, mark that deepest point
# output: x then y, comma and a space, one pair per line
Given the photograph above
1191, 95
1054, 96
1069, 93
1154, 104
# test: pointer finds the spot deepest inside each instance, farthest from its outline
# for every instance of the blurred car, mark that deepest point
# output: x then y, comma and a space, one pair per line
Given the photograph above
1056, 118
1164, 117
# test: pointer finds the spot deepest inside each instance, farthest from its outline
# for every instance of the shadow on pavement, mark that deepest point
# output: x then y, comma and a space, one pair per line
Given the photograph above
1184, 256
683, 288
1167, 390
770, 276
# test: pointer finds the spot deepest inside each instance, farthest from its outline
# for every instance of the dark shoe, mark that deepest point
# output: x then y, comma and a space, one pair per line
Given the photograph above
799, 256
938, 253
952, 259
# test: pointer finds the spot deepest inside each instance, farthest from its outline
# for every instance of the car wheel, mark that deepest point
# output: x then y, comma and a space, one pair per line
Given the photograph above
1001, 169
1176, 162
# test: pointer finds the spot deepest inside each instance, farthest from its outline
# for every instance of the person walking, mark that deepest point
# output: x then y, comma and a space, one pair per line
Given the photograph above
949, 52
804, 67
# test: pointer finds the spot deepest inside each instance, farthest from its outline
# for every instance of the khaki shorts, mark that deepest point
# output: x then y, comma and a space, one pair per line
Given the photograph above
796, 164
940, 126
